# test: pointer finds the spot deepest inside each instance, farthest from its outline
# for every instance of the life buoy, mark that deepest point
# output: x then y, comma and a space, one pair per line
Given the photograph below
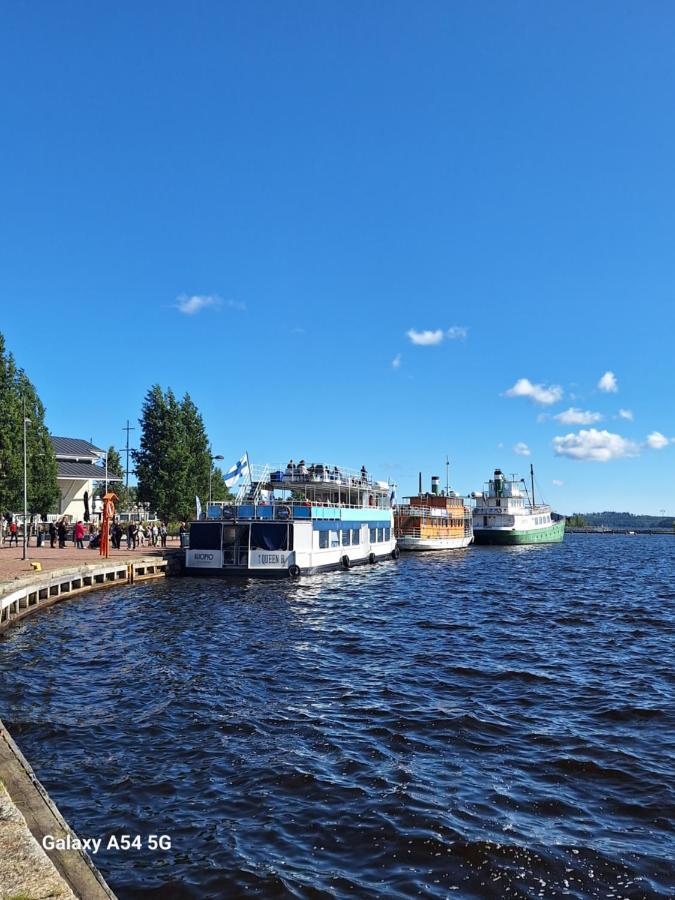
283, 512
372, 559
395, 553
227, 513
294, 571
346, 562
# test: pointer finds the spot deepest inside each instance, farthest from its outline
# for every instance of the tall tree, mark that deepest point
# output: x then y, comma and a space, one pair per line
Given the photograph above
198, 450
173, 460
18, 398
161, 459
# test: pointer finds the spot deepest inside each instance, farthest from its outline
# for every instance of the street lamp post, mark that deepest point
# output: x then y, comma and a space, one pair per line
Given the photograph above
26, 421
211, 471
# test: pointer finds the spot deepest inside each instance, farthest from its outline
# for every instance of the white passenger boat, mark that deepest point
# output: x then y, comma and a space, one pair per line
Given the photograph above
293, 521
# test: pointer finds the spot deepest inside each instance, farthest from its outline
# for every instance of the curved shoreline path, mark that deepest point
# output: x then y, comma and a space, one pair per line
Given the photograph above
27, 814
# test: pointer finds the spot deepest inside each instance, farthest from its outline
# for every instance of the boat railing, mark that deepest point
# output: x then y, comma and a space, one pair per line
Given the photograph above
433, 514
279, 510
320, 475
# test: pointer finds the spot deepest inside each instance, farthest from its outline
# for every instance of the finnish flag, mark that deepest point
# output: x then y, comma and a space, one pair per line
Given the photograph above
239, 469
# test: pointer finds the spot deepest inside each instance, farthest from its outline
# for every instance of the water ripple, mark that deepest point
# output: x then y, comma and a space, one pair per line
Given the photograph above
495, 723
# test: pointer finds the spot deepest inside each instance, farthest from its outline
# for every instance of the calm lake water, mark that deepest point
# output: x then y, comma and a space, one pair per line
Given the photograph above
484, 723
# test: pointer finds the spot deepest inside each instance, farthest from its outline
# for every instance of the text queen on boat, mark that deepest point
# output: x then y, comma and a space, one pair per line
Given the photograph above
298, 520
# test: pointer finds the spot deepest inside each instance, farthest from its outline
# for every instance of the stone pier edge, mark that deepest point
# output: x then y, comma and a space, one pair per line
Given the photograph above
19, 599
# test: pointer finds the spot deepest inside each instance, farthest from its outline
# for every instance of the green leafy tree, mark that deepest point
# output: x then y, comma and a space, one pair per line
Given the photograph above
18, 398
173, 459
161, 459
198, 454
576, 521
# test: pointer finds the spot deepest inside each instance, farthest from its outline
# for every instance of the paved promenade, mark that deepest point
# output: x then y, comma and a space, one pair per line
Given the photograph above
12, 566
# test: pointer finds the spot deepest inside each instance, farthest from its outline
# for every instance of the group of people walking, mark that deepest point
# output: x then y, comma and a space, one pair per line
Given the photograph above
136, 534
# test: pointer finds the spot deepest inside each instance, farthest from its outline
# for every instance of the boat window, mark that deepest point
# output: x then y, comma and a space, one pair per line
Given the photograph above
205, 536
266, 536
346, 538
334, 539
380, 534
323, 540
373, 535
387, 534
356, 536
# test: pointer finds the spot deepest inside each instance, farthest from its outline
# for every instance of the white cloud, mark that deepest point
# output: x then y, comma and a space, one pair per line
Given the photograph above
595, 446
626, 414
557, 482
538, 393
425, 338
191, 304
521, 449
657, 441
396, 361
457, 333
573, 416
195, 303
608, 383
429, 338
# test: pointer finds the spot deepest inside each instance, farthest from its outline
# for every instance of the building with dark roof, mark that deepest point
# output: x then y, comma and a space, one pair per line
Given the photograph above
79, 464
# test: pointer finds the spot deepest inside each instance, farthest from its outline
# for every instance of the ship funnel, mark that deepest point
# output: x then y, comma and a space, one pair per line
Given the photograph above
435, 482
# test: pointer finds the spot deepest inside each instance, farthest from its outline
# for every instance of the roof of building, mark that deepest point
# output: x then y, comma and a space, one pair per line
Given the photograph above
75, 447
83, 471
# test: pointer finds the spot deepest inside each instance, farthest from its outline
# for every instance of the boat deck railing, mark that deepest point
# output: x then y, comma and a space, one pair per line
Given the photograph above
317, 475
434, 513
283, 510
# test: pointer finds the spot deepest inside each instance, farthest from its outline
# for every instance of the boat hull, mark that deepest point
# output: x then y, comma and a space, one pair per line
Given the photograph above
245, 572
552, 534
406, 542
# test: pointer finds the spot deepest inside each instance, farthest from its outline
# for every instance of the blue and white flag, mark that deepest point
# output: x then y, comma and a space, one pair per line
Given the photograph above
239, 469
199, 507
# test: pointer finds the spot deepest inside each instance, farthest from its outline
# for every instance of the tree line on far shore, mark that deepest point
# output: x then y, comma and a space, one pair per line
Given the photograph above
629, 521
172, 463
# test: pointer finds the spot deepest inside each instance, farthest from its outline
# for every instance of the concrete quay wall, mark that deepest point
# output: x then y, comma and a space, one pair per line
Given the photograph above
27, 813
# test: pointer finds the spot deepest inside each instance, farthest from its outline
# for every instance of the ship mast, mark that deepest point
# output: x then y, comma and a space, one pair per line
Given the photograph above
532, 480
447, 476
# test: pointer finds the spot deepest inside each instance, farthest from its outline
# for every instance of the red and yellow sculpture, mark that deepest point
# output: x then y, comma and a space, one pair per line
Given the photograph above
108, 517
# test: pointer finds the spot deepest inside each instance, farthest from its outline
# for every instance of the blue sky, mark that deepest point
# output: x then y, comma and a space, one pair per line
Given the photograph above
333, 181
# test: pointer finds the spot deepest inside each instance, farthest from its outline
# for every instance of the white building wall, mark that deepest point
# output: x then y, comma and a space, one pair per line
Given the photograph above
72, 497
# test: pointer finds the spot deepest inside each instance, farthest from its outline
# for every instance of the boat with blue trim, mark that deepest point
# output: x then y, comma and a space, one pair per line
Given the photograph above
292, 521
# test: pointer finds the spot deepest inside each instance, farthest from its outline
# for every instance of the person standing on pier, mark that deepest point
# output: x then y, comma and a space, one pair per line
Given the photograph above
78, 534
